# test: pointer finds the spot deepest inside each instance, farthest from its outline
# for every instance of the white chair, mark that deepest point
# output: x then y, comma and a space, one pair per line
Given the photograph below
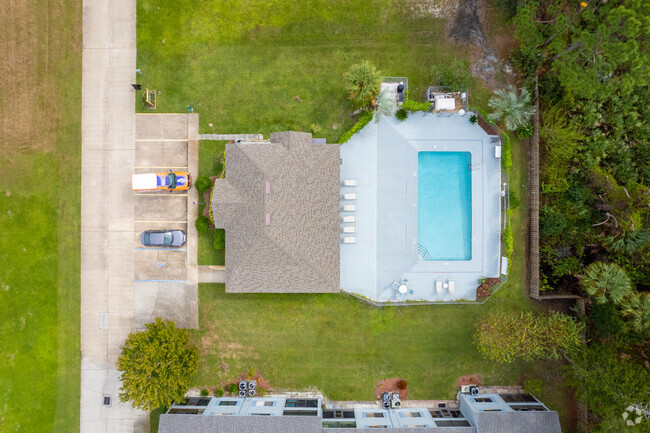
349, 240
349, 219
350, 182
349, 208
439, 287
451, 286
350, 196
349, 229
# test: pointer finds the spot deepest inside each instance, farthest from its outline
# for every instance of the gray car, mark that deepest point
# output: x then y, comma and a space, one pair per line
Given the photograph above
163, 238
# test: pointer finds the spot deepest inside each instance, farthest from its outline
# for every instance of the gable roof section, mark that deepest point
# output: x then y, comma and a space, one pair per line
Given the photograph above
299, 250
518, 422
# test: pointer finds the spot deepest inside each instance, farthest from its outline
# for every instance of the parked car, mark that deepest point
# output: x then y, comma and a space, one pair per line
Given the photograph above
163, 238
170, 181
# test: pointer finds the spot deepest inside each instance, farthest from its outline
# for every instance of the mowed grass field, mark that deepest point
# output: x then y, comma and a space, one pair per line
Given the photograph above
40, 142
265, 66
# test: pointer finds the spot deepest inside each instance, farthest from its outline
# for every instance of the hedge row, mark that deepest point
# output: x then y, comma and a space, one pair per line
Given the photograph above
365, 118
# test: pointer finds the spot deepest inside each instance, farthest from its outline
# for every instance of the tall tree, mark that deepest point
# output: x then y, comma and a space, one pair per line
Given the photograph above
363, 82
606, 282
157, 365
515, 110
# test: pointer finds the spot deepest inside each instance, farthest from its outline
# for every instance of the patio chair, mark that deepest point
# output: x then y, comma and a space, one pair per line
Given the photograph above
349, 219
411, 291
350, 182
349, 208
451, 286
350, 196
439, 287
349, 229
349, 240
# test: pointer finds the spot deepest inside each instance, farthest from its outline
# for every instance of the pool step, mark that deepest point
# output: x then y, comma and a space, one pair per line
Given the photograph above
423, 252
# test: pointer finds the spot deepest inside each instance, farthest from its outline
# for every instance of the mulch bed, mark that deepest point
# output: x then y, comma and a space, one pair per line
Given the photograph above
483, 291
469, 379
390, 385
262, 384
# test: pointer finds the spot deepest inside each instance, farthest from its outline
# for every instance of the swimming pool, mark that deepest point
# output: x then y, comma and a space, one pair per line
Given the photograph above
444, 206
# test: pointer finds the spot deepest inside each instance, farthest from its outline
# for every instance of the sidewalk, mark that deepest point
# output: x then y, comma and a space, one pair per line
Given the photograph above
108, 151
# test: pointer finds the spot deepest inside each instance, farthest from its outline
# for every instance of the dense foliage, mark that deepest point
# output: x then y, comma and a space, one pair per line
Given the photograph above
508, 337
592, 63
610, 380
202, 183
219, 239
157, 365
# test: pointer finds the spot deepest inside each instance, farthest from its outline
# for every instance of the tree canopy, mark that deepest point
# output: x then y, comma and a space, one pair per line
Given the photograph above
157, 365
363, 82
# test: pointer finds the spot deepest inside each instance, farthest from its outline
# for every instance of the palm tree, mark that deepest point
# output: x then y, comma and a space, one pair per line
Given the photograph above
515, 110
385, 105
636, 309
628, 242
606, 282
363, 82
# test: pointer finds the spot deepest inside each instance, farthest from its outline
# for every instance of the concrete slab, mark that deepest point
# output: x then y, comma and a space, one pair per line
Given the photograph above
118, 188
212, 274
175, 301
163, 207
95, 24
175, 127
93, 355
122, 32
161, 156
96, 101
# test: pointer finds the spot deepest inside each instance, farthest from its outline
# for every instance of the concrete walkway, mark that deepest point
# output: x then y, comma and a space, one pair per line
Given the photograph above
108, 151
245, 137
212, 274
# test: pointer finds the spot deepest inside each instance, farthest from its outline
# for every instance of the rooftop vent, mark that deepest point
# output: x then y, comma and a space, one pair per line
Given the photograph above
107, 400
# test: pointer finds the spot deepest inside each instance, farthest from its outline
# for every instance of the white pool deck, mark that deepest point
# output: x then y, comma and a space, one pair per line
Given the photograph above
383, 159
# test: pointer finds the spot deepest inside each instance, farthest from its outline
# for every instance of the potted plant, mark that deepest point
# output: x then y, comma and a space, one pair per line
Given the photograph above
473, 119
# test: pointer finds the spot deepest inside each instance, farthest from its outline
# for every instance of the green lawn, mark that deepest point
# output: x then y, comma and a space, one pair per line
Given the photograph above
241, 64
210, 153
40, 218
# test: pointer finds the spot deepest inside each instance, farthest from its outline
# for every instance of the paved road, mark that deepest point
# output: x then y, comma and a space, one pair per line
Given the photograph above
108, 151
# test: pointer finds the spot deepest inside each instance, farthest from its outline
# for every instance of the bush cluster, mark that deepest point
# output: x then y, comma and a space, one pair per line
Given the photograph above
365, 118
410, 105
202, 224
219, 239
202, 183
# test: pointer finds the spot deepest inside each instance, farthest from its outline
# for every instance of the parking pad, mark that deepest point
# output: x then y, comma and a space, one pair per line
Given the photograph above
160, 155
161, 207
159, 265
174, 301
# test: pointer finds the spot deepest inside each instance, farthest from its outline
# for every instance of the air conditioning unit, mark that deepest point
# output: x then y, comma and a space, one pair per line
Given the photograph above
385, 396
396, 403
473, 390
242, 393
464, 389
251, 392
251, 384
243, 385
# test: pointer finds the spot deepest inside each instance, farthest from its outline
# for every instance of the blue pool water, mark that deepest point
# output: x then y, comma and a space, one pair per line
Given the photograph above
445, 205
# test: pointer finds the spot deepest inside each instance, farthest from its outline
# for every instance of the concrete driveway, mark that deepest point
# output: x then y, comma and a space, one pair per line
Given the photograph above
165, 278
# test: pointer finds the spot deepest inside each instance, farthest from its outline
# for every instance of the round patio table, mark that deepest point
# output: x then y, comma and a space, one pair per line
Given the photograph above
402, 289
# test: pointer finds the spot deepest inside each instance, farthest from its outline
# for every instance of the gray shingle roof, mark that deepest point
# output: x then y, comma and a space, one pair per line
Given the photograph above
518, 422
238, 424
299, 251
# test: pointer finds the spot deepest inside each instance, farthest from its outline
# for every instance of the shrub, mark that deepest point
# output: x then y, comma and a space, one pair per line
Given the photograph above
205, 392
524, 131
507, 337
533, 385
315, 128
365, 118
606, 320
473, 119
410, 105
202, 183
506, 154
508, 241
455, 75
202, 224
219, 392
233, 388
551, 222
401, 114
401, 384
219, 239
514, 200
